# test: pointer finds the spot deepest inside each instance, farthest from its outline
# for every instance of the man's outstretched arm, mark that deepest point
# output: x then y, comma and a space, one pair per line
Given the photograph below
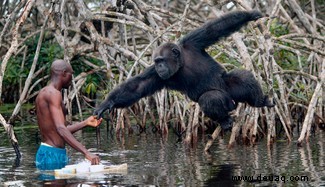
59, 121
90, 121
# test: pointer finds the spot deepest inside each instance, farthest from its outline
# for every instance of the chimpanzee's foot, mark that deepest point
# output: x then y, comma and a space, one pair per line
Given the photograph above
261, 102
267, 102
226, 124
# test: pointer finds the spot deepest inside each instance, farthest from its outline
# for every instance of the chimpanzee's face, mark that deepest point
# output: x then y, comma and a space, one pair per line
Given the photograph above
167, 60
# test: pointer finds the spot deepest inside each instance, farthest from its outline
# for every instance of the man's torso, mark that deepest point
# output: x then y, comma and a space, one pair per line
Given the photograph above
46, 119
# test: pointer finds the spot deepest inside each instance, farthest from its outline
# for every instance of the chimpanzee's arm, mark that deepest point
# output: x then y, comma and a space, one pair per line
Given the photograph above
223, 26
129, 92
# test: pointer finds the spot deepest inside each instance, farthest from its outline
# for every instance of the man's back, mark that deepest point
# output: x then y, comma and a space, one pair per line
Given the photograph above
48, 103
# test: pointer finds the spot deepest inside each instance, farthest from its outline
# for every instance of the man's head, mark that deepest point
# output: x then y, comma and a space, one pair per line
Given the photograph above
61, 71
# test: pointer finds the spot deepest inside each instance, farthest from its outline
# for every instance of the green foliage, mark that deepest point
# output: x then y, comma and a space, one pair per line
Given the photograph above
48, 52
278, 29
225, 59
301, 93
13, 72
6, 109
289, 60
286, 59
129, 64
177, 94
93, 81
91, 85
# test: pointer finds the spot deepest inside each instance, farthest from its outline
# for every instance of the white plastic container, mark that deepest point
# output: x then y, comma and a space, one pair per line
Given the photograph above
71, 166
71, 169
96, 168
68, 170
58, 172
82, 167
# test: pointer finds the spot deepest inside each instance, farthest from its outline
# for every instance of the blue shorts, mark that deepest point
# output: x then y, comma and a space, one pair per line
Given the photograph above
50, 158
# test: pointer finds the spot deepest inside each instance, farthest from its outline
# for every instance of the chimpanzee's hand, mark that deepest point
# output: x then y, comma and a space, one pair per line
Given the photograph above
256, 14
99, 112
106, 105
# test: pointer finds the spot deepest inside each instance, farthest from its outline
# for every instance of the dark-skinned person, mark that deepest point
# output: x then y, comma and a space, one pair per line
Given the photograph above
54, 129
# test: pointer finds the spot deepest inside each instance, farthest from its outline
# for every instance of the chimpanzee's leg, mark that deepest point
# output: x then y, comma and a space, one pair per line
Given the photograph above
217, 104
243, 87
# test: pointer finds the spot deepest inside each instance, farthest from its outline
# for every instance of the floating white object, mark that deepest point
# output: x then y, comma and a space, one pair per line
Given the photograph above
69, 170
82, 167
71, 166
88, 170
96, 168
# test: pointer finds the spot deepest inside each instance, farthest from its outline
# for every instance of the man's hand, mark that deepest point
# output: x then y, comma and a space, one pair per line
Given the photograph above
94, 159
93, 121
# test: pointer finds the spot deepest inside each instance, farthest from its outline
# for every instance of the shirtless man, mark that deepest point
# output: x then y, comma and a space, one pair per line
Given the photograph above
52, 123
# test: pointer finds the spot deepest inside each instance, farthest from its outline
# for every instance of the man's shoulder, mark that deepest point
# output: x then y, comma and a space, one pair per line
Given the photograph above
48, 91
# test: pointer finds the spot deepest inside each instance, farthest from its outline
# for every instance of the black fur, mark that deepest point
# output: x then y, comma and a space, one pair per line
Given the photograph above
187, 67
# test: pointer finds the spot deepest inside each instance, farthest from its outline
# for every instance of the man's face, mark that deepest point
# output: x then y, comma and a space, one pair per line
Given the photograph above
68, 77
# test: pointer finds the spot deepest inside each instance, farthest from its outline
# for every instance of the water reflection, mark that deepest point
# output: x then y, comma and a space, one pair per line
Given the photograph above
222, 176
156, 161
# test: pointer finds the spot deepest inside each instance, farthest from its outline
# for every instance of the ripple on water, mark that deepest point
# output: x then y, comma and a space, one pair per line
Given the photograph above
153, 160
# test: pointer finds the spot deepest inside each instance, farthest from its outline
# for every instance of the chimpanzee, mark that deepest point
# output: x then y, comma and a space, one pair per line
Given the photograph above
188, 68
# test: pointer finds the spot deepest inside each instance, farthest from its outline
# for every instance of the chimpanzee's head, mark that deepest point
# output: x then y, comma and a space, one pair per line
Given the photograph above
168, 60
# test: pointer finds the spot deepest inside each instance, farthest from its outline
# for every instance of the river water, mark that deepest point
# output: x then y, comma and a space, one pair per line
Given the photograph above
157, 161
